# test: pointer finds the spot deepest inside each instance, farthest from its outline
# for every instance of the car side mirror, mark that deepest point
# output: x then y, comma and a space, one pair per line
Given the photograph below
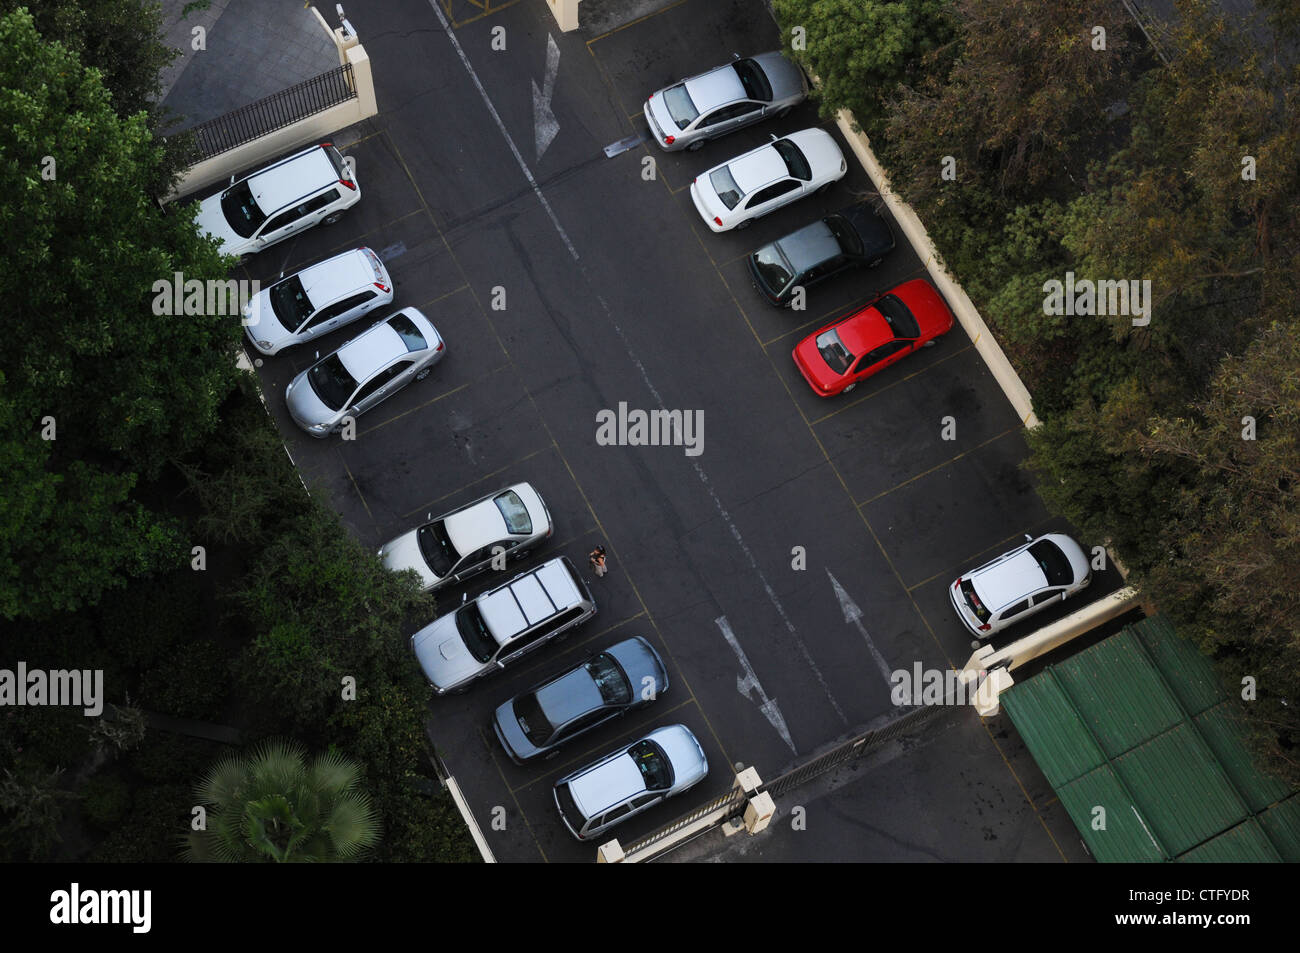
500, 664
735, 56
464, 598
1028, 538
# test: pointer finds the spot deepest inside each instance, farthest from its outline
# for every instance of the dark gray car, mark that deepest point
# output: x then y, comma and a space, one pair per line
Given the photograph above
622, 678
850, 238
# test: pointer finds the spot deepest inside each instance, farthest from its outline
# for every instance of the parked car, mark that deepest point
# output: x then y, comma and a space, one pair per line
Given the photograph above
317, 300
837, 358
311, 187
690, 113
625, 677
733, 194
850, 238
365, 371
462, 543
488, 633
661, 765
1019, 583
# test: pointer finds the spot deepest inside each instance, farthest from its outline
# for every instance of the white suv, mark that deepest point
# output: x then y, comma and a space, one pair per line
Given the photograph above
317, 300
306, 189
1019, 583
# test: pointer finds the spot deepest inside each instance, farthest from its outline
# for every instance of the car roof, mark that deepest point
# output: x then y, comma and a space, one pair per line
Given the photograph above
569, 696
372, 351
290, 179
1009, 581
866, 330
756, 169
597, 790
336, 277
809, 246
715, 88
528, 599
476, 526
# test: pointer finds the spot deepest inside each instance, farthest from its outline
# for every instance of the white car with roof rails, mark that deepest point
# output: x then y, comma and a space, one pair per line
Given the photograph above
633, 779
690, 113
502, 625
462, 543
1019, 583
317, 300
733, 194
311, 187
363, 372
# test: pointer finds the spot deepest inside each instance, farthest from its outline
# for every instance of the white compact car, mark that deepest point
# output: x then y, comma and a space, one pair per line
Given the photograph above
317, 300
1019, 583
310, 187
765, 179
462, 543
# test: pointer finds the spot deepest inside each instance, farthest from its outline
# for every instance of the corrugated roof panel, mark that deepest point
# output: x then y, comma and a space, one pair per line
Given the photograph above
1282, 824
1187, 672
1225, 733
1118, 693
1127, 836
1245, 843
1182, 789
1055, 736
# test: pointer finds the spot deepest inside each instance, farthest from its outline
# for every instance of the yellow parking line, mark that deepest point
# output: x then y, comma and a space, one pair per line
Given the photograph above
875, 393
977, 558
475, 482
940, 466
619, 29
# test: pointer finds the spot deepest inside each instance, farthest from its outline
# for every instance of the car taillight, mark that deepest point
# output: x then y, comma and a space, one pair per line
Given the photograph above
347, 184
718, 220
439, 347
957, 584
381, 287
985, 627
669, 140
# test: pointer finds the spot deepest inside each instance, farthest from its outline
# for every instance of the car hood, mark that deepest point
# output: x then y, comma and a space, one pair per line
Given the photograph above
260, 321
212, 220
820, 149
404, 553
928, 307
307, 409
689, 763
442, 654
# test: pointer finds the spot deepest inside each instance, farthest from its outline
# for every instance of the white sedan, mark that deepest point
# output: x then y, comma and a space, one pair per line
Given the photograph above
765, 179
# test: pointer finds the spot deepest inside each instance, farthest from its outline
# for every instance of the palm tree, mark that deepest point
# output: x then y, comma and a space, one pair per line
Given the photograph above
271, 805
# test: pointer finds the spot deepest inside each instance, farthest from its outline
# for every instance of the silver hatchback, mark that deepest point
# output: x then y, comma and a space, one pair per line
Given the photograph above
690, 113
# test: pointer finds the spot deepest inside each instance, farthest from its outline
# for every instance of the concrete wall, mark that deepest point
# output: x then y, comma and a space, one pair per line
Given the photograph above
565, 12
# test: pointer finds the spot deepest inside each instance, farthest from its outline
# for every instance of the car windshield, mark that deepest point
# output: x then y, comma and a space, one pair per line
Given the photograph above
754, 80
1052, 562
532, 721
833, 352
725, 186
845, 234
474, 632
656, 772
241, 211
408, 332
290, 303
331, 382
515, 513
609, 678
436, 547
972, 600
679, 104
899, 318
795, 160
773, 267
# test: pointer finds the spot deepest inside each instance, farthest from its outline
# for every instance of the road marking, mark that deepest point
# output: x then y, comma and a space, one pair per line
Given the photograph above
545, 125
394, 250
618, 148
496, 117
749, 685
853, 616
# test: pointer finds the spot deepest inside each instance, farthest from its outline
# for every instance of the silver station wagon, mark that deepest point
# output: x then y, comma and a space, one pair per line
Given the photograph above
661, 765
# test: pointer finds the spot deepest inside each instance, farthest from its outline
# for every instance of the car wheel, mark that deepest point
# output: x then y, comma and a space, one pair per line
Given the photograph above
331, 219
849, 388
933, 341
874, 263
696, 146
423, 374
821, 189
781, 114
745, 224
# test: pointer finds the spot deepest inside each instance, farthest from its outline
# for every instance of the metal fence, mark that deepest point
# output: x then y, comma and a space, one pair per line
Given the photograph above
274, 112
729, 805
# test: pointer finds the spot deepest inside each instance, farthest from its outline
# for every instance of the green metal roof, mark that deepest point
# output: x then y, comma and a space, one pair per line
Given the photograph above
1147, 753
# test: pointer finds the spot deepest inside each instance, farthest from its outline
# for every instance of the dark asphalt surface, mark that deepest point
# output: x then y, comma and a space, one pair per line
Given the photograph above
651, 309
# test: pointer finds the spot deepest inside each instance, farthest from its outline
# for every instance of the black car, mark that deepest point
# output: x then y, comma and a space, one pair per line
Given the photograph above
849, 238
624, 677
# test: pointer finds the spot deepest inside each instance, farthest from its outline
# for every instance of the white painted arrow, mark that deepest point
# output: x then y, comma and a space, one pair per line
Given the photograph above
749, 685
545, 127
853, 616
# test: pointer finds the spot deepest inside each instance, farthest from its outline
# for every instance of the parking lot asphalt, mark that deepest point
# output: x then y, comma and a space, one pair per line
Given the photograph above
782, 572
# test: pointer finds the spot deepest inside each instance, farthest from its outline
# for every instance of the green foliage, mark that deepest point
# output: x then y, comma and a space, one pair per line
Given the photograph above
862, 49
31, 807
271, 804
149, 833
190, 682
106, 799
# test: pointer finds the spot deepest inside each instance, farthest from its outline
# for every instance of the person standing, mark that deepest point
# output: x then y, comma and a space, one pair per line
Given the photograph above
597, 560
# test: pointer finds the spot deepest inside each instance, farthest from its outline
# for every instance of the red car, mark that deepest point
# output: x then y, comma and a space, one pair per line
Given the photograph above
910, 316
